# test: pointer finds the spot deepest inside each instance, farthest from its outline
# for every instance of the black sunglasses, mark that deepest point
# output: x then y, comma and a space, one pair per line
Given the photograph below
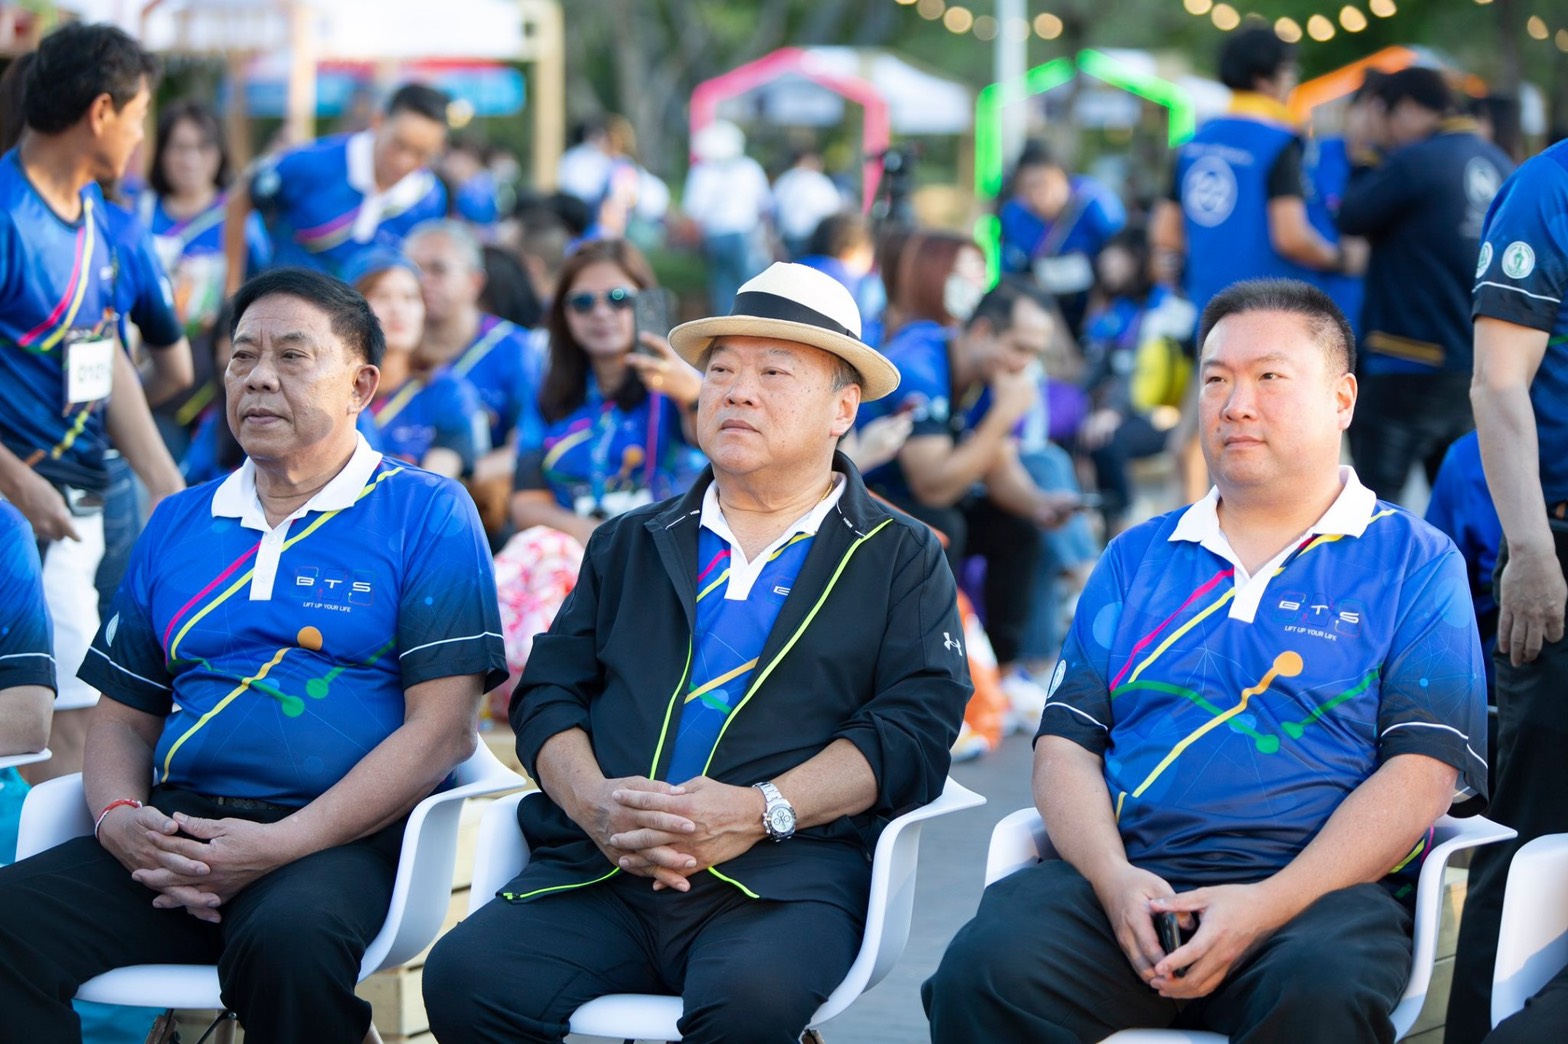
619, 299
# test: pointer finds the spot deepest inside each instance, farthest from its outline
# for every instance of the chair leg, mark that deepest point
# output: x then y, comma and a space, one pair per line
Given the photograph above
163, 1029
812, 1036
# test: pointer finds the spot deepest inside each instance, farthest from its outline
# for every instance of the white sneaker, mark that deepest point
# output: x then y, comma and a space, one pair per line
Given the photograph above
1025, 696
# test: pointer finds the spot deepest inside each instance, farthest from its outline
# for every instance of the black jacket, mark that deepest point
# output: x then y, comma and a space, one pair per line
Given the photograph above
866, 647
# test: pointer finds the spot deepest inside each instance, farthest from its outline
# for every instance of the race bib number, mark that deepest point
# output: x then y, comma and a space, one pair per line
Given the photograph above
1069, 274
613, 504
89, 370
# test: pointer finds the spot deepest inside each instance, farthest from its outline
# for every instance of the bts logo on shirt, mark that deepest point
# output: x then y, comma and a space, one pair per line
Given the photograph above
333, 588
1316, 615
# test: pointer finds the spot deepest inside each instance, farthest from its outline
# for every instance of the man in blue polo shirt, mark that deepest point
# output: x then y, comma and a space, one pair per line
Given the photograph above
26, 660
1519, 388
87, 91
1266, 701
295, 660
1054, 226
325, 202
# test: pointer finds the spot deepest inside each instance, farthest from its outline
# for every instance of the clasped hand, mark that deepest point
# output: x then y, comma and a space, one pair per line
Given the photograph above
199, 872
669, 832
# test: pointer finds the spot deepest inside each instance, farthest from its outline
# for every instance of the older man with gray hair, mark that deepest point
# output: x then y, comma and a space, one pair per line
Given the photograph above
747, 683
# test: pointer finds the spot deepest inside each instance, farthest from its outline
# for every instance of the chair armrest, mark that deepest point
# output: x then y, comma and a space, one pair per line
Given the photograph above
1450, 836
52, 813
891, 906
422, 889
18, 760
500, 852
1016, 842
1532, 938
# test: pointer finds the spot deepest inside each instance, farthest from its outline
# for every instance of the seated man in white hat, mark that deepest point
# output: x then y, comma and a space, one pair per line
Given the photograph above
746, 685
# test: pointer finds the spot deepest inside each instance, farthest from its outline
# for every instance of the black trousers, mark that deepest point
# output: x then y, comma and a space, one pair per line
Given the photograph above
1011, 548
1529, 793
1406, 418
1544, 1019
1135, 439
1040, 963
288, 948
749, 970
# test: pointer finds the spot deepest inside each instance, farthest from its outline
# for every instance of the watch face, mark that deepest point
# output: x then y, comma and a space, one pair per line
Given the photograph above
781, 820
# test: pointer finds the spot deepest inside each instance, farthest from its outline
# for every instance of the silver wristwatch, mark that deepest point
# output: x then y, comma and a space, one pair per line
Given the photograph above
778, 817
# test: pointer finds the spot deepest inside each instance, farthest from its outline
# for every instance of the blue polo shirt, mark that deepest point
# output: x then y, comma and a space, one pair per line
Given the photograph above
26, 654
279, 657
1093, 215
1522, 278
191, 250
142, 292
505, 369
602, 460
321, 207
1326, 164
1461, 506
56, 288
436, 412
1235, 712
925, 389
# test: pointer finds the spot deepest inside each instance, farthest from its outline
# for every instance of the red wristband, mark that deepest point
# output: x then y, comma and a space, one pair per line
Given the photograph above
110, 807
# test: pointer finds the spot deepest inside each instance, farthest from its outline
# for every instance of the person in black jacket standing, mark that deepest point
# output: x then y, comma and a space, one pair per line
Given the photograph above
1422, 208
745, 685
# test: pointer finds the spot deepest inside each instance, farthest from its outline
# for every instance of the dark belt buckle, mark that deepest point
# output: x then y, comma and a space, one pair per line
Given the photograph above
82, 503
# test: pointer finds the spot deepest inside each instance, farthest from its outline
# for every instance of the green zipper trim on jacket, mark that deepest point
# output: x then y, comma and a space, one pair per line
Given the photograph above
749, 893
664, 730
513, 897
768, 671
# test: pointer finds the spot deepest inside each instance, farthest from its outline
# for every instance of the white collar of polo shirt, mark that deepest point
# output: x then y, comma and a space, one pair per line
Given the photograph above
744, 574
1200, 524
237, 498
360, 154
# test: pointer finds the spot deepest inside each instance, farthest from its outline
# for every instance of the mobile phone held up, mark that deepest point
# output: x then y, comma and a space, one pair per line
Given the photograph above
654, 310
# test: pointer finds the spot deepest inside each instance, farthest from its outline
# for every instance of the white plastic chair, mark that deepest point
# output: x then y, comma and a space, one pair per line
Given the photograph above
502, 853
1532, 937
1019, 841
18, 760
56, 811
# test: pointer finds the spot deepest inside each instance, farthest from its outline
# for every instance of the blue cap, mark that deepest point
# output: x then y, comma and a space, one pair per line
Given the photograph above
374, 261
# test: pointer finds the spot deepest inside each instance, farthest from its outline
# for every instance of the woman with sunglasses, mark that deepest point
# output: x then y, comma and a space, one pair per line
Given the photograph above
430, 419
613, 403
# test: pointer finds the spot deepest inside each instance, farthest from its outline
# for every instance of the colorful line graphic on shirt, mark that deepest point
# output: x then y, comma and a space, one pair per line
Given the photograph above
65, 310
702, 691
172, 648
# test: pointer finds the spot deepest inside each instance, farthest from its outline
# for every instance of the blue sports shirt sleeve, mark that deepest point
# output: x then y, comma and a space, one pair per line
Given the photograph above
1078, 705
449, 618
126, 661
25, 651
1434, 680
1522, 273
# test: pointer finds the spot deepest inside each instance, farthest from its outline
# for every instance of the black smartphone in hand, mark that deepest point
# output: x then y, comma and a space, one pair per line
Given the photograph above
654, 310
1168, 927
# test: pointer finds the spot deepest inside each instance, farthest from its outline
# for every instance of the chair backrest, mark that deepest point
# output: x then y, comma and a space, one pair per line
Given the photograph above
1532, 938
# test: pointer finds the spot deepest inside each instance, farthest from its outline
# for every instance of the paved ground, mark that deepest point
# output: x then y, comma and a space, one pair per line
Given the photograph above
952, 866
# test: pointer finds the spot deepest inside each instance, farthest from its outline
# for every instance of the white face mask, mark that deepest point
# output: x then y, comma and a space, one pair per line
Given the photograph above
960, 297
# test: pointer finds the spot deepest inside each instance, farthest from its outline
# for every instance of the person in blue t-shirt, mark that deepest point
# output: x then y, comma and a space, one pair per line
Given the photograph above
1421, 206
1266, 701
27, 678
432, 419
1054, 224
490, 353
1237, 202
1520, 385
328, 200
1461, 506
295, 660
86, 92
613, 402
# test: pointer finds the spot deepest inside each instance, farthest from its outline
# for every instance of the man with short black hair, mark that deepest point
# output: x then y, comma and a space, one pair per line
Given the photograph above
295, 660
329, 200
1419, 193
1266, 701
67, 390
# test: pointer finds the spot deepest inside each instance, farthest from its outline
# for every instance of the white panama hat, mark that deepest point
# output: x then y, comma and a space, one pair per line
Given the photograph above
801, 305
